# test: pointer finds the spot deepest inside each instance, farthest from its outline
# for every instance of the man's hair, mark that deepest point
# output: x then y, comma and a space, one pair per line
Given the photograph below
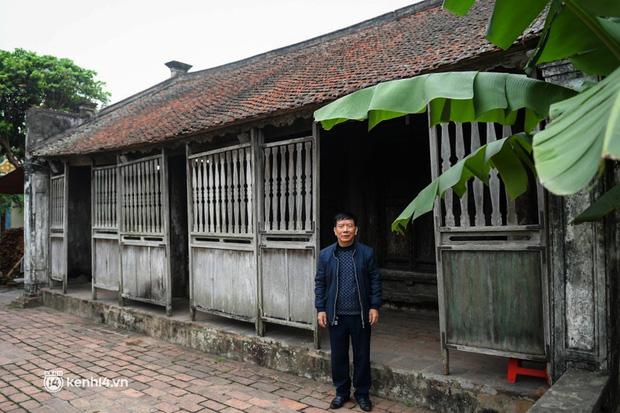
341, 216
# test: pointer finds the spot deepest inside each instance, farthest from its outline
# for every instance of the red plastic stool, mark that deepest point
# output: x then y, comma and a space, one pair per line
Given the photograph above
515, 369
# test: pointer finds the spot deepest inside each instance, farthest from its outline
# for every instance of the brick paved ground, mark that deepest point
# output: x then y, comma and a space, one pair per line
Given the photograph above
162, 377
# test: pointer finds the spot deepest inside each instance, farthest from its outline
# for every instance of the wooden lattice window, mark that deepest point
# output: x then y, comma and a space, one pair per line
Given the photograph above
481, 205
141, 196
288, 186
222, 191
57, 200
104, 191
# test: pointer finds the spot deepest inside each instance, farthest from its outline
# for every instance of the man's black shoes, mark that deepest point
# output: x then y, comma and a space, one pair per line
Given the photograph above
364, 403
338, 401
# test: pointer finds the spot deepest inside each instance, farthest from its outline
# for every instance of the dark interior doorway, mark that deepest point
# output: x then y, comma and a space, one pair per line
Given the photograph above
177, 184
375, 175
79, 252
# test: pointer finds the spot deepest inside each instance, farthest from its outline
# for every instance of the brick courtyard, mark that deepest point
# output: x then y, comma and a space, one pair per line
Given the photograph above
161, 377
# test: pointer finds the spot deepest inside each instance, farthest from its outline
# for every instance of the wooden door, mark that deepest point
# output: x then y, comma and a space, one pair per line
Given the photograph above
106, 270
58, 229
222, 232
491, 257
288, 215
144, 232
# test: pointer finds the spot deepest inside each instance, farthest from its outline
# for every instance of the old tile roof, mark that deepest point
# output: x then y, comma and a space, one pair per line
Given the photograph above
409, 41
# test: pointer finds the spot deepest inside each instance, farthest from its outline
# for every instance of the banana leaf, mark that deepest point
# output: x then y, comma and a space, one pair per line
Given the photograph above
584, 130
585, 31
607, 203
506, 155
452, 96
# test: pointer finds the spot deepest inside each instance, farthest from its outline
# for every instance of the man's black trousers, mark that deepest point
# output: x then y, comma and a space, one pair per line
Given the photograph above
349, 328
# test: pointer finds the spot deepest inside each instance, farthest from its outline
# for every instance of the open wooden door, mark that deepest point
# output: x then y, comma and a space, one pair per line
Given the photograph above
491, 257
222, 248
288, 230
106, 267
144, 231
58, 229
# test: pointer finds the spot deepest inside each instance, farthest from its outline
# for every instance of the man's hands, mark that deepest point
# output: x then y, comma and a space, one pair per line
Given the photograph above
373, 316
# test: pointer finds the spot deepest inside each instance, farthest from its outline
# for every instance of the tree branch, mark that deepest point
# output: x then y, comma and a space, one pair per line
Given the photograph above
8, 151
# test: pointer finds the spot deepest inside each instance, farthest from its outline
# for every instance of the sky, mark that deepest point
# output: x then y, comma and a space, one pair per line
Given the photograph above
127, 42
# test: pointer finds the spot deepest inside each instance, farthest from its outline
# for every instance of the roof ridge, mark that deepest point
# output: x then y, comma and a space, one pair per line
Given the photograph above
383, 18
386, 17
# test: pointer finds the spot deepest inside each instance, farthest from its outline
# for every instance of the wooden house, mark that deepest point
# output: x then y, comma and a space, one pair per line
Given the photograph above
216, 186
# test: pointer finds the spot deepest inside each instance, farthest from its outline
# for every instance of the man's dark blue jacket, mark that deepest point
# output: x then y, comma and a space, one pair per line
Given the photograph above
366, 273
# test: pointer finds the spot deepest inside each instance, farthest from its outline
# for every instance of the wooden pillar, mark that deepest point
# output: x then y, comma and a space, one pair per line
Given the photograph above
316, 207
581, 261
257, 140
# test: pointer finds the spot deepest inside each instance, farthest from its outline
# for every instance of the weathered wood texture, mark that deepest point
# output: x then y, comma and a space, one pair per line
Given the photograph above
288, 236
221, 229
492, 272
104, 198
287, 284
288, 186
106, 255
222, 193
482, 205
144, 232
141, 196
57, 257
57, 247
144, 272
106, 244
495, 300
223, 198
57, 190
224, 280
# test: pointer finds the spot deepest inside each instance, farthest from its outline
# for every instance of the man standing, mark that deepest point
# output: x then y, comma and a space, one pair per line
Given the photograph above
347, 290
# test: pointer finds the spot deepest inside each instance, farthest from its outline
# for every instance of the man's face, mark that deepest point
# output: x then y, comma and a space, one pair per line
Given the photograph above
345, 231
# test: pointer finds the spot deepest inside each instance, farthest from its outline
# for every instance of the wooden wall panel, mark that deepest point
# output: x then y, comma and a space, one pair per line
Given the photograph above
275, 283
288, 283
495, 300
144, 272
58, 259
106, 259
225, 281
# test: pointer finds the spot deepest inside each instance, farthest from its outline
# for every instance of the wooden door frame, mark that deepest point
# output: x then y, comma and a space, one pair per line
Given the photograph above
441, 244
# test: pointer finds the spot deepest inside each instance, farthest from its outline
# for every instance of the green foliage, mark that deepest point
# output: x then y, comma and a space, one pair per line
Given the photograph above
520, 14
508, 155
607, 203
7, 201
585, 31
584, 130
28, 79
458, 96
